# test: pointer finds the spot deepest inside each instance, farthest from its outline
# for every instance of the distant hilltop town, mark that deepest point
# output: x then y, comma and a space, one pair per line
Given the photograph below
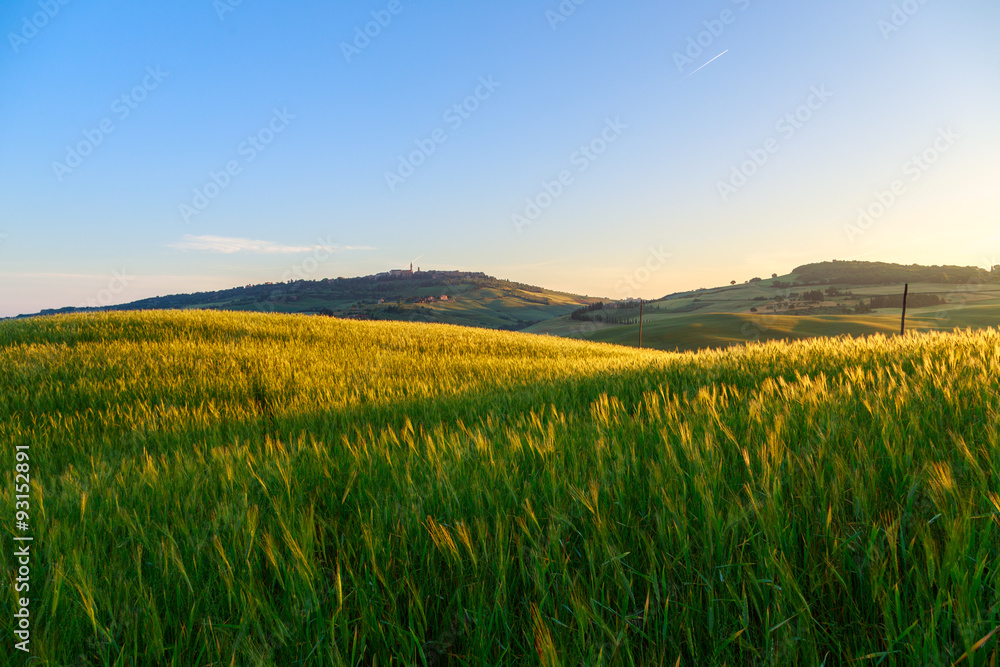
410, 273
400, 273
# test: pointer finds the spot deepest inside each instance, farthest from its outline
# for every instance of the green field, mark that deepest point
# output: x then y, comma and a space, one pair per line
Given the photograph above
251, 489
722, 317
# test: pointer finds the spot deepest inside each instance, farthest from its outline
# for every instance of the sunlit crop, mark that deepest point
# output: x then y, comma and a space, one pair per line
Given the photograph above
234, 489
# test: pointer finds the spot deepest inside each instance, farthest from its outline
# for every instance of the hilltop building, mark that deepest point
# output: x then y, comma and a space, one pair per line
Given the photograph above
402, 273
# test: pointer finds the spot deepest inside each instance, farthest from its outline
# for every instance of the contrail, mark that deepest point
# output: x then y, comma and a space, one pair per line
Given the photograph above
708, 63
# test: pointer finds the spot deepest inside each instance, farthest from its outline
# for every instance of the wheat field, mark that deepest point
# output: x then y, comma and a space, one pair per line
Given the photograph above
247, 489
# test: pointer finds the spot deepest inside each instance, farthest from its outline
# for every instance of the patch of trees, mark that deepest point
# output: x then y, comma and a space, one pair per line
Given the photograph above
584, 314
874, 273
813, 295
597, 312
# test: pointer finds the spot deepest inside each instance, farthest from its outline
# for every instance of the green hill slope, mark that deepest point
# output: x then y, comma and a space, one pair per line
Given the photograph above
447, 297
829, 298
786, 308
250, 489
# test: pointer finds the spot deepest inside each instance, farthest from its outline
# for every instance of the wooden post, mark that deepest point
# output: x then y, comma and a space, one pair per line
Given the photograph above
902, 325
640, 324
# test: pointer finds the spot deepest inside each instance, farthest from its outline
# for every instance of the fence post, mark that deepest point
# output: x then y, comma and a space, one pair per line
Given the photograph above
902, 325
640, 324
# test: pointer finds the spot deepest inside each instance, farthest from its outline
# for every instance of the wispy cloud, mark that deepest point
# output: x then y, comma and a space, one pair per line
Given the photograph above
229, 245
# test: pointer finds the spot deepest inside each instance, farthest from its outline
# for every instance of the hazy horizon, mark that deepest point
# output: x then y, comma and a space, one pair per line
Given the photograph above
214, 143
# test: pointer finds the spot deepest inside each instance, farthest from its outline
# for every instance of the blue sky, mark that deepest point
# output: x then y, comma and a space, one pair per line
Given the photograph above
156, 148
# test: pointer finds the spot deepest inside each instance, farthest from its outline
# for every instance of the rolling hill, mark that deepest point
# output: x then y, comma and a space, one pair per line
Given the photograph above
444, 297
826, 299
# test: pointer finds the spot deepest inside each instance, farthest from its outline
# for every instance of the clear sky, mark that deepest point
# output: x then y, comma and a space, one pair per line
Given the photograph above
603, 148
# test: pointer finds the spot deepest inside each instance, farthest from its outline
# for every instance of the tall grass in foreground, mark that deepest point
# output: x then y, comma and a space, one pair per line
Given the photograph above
231, 489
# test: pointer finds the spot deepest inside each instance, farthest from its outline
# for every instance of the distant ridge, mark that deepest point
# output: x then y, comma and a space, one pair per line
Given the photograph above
876, 273
834, 298
470, 298
473, 298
